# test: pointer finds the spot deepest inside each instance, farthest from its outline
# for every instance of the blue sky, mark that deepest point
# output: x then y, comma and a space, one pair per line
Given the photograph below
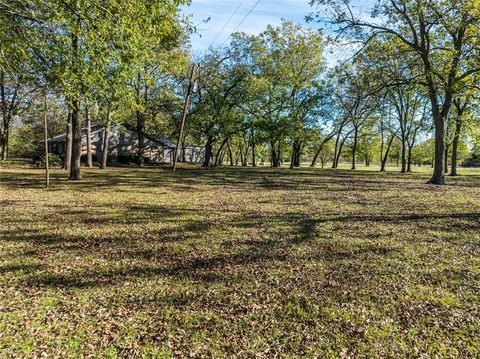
267, 12
219, 11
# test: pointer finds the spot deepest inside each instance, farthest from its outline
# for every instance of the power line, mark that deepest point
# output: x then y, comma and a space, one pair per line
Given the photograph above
241, 22
227, 22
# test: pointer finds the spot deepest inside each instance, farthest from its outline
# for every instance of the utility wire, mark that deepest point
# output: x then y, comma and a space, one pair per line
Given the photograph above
227, 22
241, 22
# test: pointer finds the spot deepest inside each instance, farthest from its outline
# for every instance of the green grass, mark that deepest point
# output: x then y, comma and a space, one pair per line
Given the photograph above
239, 263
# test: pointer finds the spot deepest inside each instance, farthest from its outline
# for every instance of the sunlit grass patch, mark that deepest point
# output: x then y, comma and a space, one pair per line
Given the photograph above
239, 262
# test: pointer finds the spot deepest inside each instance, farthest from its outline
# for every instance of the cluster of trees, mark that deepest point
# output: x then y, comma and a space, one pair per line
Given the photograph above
94, 59
268, 97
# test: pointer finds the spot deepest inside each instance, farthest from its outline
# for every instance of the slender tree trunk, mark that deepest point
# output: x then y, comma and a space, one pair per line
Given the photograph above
89, 138
404, 154
339, 152
292, 159
245, 155
354, 149
447, 147
5, 139
335, 163
68, 144
141, 139
297, 154
409, 161
140, 123
254, 160
6, 134
45, 124
217, 157
276, 162
106, 139
208, 152
184, 152
6, 116
385, 158
230, 154
241, 155
438, 176
456, 138
75, 173
315, 157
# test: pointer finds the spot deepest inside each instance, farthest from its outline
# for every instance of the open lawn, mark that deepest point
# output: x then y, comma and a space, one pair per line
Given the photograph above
240, 263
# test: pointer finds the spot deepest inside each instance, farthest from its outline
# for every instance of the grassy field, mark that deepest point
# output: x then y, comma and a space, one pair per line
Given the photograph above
239, 263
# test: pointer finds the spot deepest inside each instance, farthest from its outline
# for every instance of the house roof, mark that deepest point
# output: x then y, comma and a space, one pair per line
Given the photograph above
164, 141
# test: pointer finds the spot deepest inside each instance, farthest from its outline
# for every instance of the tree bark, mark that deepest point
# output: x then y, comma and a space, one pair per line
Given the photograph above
68, 144
5, 139
207, 162
337, 140
230, 154
354, 149
439, 118
275, 155
45, 124
254, 160
7, 110
404, 153
409, 159
106, 135
141, 139
456, 138
89, 138
385, 158
337, 160
140, 123
75, 173
217, 157
446, 158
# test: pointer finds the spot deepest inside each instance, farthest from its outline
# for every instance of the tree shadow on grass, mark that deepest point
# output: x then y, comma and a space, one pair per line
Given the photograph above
241, 178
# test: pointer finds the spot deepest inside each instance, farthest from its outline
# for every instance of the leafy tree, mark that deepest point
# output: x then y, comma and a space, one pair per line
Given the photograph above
440, 35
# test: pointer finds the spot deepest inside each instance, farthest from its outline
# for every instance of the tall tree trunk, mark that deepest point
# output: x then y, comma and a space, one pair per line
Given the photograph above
106, 139
254, 160
68, 144
75, 172
184, 151
385, 158
6, 116
447, 147
409, 161
456, 138
439, 118
141, 138
354, 149
140, 116
217, 157
337, 160
297, 154
275, 155
230, 154
45, 126
292, 159
207, 162
337, 140
76, 142
315, 157
404, 153
5, 139
89, 138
